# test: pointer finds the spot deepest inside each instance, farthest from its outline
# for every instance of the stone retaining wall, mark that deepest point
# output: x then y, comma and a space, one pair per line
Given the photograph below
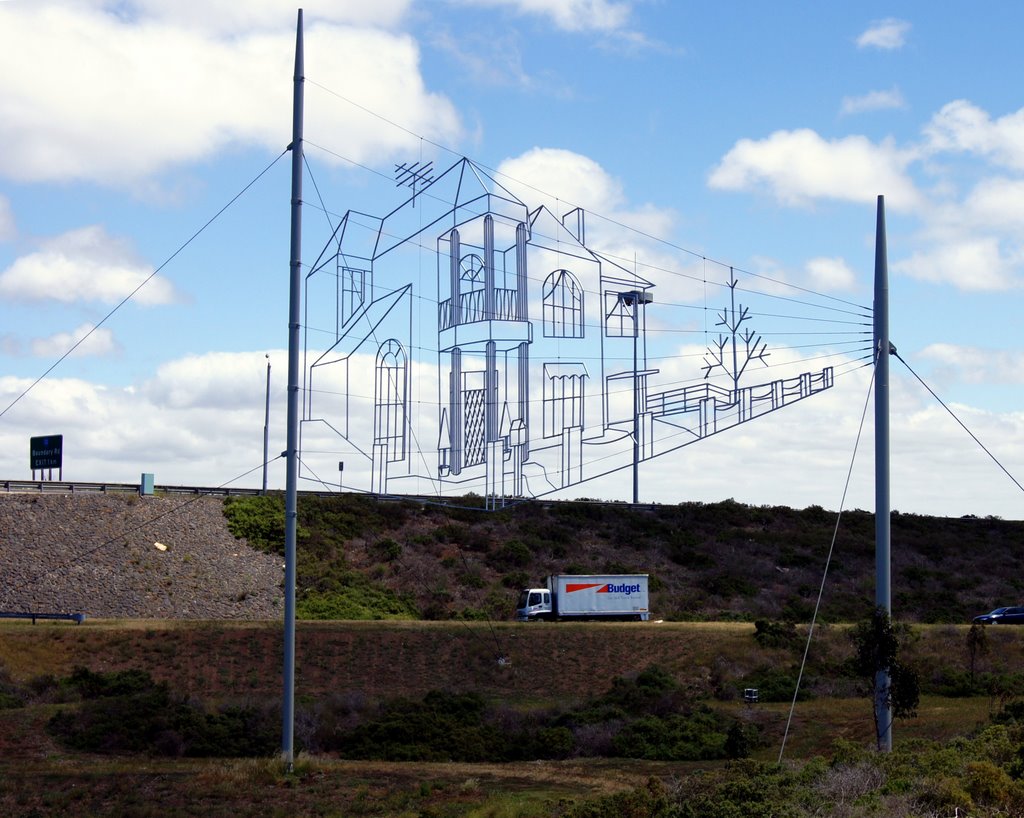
98, 554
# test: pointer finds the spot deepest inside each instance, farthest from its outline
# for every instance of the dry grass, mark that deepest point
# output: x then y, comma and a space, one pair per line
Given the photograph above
550, 664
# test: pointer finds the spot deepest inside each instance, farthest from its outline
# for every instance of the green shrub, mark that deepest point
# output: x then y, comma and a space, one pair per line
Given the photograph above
697, 737
516, 579
84, 683
359, 598
729, 586
740, 740
443, 727
653, 690
127, 712
649, 801
386, 550
775, 634
775, 685
986, 783
513, 554
259, 520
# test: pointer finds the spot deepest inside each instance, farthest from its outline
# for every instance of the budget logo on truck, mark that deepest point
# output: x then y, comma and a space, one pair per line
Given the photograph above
607, 588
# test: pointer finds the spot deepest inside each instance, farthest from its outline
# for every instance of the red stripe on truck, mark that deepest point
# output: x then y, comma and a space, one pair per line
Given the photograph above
581, 586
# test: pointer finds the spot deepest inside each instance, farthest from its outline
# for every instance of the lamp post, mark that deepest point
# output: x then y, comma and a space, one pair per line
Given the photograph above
635, 299
266, 429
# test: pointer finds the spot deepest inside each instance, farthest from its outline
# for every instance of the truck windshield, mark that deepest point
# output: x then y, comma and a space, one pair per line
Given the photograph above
522, 599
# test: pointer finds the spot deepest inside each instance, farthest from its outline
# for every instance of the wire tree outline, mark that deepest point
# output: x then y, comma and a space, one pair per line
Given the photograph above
754, 349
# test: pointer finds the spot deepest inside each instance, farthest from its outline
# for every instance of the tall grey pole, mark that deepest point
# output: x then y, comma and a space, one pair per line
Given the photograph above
883, 596
266, 430
636, 405
292, 451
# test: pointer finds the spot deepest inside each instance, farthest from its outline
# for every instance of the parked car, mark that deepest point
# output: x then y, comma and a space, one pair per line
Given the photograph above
1002, 616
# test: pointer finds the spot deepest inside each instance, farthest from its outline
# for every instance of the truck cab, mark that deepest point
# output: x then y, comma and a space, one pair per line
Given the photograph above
534, 603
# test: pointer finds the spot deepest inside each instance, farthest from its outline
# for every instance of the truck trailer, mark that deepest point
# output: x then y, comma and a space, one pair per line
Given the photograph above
587, 596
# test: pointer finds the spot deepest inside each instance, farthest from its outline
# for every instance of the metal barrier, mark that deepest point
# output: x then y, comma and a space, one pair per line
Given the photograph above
77, 618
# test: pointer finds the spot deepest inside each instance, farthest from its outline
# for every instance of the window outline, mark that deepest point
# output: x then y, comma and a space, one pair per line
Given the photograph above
562, 305
389, 417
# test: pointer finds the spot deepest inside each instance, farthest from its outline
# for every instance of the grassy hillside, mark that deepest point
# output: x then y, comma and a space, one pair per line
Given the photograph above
131, 718
364, 558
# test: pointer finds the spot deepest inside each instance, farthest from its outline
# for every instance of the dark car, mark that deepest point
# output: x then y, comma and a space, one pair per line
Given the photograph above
1002, 616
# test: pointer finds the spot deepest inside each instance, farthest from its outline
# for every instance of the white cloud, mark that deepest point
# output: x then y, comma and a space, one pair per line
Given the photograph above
996, 203
970, 262
215, 380
799, 166
562, 180
569, 15
873, 101
888, 35
962, 127
487, 59
86, 264
149, 93
114, 434
800, 456
100, 342
230, 16
829, 274
975, 365
7, 229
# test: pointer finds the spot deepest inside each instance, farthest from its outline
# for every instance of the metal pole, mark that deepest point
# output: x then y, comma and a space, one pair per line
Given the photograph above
883, 597
291, 453
266, 430
636, 406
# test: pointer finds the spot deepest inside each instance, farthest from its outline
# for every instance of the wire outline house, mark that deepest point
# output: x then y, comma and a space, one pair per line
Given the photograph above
528, 330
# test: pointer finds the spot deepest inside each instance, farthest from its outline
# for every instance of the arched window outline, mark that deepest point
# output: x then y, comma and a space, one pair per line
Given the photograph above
471, 271
472, 286
562, 305
389, 415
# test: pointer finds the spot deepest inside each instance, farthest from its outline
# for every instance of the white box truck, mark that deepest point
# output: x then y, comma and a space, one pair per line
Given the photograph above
587, 596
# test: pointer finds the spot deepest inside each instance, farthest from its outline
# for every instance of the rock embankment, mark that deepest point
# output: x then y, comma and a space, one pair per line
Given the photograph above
121, 555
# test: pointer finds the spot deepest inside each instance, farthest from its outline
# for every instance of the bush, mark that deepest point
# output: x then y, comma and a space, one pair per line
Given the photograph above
775, 685
516, 579
649, 801
443, 727
126, 712
86, 684
360, 599
259, 520
513, 554
654, 690
386, 550
697, 737
11, 696
775, 634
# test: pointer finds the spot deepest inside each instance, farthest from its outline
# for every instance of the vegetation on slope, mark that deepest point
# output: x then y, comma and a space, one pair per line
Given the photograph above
359, 557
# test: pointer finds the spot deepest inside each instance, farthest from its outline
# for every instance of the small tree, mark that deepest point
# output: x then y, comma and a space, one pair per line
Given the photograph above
977, 646
735, 349
877, 643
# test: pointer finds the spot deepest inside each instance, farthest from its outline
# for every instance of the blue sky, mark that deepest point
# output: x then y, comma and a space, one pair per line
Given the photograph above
757, 135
